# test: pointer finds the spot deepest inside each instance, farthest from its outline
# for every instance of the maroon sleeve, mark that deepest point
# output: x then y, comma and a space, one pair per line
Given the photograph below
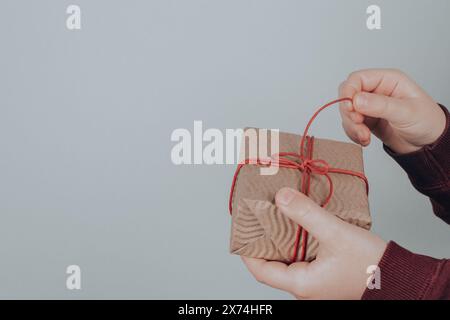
409, 276
405, 275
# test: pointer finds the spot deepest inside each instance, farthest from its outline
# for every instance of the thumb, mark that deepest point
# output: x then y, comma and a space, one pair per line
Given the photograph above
322, 225
395, 111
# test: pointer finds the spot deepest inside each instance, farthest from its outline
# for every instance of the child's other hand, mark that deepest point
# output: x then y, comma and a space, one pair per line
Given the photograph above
393, 107
345, 254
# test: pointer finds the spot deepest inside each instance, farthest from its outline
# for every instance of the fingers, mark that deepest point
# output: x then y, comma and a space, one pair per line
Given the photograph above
374, 93
321, 224
277, 275
380, 81
357, 132
386, 82
353, 121
395, 111
348, 90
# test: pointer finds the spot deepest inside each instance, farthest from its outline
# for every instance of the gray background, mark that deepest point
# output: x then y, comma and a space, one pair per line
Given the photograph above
86, 118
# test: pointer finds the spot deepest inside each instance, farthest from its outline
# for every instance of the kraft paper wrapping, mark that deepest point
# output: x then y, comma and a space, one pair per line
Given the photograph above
260, 230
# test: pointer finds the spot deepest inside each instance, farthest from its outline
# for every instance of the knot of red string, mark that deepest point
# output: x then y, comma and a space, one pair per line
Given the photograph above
314, 166
304, 162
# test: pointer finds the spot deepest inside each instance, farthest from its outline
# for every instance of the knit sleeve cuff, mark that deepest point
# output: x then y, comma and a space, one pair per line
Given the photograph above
428, 168
403, 275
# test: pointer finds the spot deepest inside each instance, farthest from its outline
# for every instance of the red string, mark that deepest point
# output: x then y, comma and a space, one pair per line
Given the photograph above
307, 166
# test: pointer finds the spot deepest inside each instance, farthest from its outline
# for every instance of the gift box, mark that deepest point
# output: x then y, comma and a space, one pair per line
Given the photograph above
329, 172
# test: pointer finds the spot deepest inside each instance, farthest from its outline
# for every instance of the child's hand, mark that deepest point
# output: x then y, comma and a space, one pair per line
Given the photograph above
345, 253
391, 106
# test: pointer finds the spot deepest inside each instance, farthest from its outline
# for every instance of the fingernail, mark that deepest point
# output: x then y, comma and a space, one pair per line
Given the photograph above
285, 196
361, 101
